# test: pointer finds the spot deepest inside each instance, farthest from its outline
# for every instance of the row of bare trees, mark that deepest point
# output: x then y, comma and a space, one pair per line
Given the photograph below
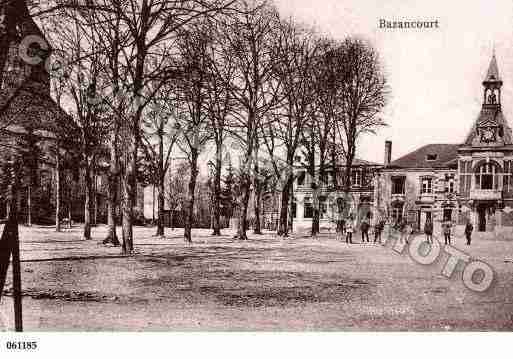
207, 79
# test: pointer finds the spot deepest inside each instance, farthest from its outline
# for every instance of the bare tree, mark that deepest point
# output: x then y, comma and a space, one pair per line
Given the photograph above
250, 40
283, 132
194, 131
220, 106
153, 27
361, 94
160, 117
83, 76
142, 35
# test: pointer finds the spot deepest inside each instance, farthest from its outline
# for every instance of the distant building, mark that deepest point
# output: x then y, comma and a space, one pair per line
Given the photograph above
359, 204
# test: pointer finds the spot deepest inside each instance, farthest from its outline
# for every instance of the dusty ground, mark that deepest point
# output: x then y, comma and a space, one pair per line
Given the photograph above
265, 283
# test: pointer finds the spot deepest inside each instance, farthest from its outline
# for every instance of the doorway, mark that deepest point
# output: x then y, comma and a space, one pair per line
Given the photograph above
447, 214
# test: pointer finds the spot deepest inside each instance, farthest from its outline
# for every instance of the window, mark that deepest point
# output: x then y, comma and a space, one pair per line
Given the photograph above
426, 185
487, 177
301, 178
449, 183
398, 185
356, 177
431, 157
465, 176
447, 212
507, 179
308, 208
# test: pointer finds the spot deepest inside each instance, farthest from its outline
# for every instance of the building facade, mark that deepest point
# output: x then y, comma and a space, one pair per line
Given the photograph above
358, 202
467, 181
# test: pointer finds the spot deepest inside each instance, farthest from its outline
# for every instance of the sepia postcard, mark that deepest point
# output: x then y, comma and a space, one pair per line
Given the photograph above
255, 166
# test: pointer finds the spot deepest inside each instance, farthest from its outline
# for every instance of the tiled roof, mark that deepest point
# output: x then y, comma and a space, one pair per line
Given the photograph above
446, 155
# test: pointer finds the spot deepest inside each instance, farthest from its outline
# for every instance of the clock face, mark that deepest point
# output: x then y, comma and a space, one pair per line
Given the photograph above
487, 135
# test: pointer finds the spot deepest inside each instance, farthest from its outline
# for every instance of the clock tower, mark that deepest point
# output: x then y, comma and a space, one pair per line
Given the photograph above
490, 128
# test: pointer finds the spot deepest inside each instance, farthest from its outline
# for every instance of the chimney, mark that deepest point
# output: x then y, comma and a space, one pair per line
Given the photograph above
388, 152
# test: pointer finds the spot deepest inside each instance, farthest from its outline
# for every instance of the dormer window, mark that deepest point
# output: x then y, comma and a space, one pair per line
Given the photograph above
431, 157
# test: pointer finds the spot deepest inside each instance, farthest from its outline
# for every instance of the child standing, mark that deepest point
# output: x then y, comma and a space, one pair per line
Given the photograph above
349, 230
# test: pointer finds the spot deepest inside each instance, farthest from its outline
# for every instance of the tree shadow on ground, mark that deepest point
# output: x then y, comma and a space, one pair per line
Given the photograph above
214, 274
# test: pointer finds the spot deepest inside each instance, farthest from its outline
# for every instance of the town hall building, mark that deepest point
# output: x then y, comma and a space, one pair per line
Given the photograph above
471, 180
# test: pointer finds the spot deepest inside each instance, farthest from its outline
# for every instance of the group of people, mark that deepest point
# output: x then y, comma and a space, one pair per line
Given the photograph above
446, 230
347, 227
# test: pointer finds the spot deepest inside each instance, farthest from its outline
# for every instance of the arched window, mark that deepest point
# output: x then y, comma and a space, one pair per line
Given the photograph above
487, 176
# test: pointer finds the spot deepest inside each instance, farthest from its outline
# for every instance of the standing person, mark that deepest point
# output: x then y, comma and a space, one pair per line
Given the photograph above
428, 230
468, 231
349, 230
378, 228
447, 231
364, 227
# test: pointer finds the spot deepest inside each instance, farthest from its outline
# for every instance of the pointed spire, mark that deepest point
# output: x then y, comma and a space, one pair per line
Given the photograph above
493, 70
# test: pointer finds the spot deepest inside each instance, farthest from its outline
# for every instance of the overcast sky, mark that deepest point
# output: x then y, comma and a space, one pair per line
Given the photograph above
435, 75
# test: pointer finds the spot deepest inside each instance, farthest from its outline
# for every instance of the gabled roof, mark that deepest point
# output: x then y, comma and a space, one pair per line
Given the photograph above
493, 71
444, 157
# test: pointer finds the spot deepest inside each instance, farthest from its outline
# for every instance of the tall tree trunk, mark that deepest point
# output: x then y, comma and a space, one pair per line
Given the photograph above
112, 193
57, 191
347, 180
131, 131
70, 206
316, 215
243, 208
160, 194
258, 208
153, 205
129, 195
88, 200
95, 200
160, 212
217, 192
190, 202
112, 236
314, 186
29, 203
283, 229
